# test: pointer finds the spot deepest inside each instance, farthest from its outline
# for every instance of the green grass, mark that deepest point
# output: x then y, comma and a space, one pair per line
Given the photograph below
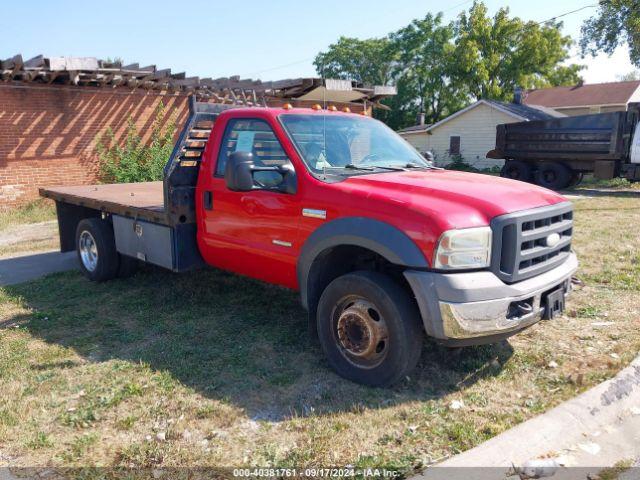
34, 212
619, 183
613, 473
212, 369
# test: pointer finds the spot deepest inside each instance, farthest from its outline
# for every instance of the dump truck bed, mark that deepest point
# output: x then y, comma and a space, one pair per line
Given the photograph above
137, 200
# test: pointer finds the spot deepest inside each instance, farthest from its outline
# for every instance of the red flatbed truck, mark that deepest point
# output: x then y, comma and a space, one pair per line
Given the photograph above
382, 246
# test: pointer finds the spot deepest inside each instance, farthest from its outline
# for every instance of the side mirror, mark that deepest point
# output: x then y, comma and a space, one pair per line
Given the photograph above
242, 175
237, 172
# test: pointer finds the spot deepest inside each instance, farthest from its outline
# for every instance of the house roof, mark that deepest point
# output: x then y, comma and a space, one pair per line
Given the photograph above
415, 128
614, 93
527, 112
517, 111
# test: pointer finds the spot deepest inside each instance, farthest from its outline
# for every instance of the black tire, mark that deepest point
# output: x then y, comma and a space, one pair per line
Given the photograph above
576, 178
127, 266
100, 263
517, 170
553, 175
354, 313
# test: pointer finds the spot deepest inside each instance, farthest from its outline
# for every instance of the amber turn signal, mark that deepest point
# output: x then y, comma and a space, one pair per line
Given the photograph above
287, 106
316, 107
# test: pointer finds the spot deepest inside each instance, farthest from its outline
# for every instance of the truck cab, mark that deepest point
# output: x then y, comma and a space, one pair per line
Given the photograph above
382, 246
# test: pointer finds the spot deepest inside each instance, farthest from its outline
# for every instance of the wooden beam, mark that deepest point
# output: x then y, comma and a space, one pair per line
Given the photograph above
162, 73
12, 63
52, 77
35, 62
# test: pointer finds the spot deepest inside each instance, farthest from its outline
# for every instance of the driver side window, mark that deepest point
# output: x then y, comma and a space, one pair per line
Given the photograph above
254, 136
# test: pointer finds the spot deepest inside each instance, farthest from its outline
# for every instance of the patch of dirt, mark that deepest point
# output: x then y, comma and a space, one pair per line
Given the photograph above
32, 232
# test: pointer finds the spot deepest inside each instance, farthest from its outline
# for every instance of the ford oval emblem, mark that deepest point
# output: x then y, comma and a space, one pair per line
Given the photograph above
552, 240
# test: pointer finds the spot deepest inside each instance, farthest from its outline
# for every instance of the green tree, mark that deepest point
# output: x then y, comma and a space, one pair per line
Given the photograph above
439, 68
616, 23
494, 55
426, 64
134, 160
372, 61
368, 61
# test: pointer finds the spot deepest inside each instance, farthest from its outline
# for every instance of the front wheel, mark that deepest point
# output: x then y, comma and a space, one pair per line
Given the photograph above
369, 328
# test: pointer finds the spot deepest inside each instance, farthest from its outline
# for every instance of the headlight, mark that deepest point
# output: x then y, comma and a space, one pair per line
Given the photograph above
465, 248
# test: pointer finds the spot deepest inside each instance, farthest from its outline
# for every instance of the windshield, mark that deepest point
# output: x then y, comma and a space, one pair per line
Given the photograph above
349, 143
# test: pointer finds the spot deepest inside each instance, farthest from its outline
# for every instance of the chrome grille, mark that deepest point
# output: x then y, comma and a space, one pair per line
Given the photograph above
520, 249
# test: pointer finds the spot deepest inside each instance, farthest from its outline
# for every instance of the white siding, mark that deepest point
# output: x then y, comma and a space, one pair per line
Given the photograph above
635, 97
477, 131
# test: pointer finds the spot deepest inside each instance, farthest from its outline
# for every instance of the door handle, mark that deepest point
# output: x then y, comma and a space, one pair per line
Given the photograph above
208, 200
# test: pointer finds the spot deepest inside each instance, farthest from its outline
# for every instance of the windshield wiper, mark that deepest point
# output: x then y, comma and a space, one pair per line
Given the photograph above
352, 166
415, 165
371, 168
393, 169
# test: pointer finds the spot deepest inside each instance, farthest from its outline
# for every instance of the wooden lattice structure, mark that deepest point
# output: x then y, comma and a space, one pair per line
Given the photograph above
92, 72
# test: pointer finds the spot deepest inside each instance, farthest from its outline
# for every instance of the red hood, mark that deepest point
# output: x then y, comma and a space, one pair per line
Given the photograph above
454, 199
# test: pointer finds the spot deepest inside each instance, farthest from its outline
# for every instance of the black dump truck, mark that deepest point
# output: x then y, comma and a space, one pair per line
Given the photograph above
556, 153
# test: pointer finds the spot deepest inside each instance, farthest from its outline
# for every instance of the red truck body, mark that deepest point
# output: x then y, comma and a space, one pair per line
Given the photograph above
382, 246
238, 234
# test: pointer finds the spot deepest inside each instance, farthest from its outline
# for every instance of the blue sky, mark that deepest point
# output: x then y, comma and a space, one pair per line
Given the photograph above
268, 40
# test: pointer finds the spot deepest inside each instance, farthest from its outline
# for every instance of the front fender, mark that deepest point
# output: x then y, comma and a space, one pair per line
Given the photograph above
375, 235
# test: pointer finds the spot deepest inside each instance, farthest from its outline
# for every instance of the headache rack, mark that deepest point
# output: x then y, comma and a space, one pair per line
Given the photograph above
152, 221
521, 247
181, 171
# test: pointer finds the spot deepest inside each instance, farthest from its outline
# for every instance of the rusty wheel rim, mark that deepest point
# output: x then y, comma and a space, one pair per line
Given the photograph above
361, 332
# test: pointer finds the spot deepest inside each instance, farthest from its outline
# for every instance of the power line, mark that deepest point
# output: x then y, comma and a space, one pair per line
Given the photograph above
292, 64
567, 13
281, 66
456, 6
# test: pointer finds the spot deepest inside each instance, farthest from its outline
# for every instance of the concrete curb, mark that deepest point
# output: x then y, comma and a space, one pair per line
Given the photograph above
570, 427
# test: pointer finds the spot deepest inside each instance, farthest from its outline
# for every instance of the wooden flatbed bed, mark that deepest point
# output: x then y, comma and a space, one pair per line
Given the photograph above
152, 221
137, 200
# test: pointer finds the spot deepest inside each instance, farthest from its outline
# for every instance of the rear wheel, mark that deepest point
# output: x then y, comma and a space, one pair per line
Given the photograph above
369, 328
576, 178
96, 248
554, 176
517, 170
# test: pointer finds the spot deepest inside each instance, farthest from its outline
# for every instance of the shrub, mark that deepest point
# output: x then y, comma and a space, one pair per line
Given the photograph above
135, 160
459, 163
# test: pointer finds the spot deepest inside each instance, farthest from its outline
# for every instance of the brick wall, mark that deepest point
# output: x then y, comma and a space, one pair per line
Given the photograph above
48, 133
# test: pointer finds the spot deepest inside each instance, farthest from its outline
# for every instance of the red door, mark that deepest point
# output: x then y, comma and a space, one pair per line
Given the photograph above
252, 233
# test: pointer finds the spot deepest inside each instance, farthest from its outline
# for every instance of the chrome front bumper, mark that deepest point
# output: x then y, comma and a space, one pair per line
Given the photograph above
478, 306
